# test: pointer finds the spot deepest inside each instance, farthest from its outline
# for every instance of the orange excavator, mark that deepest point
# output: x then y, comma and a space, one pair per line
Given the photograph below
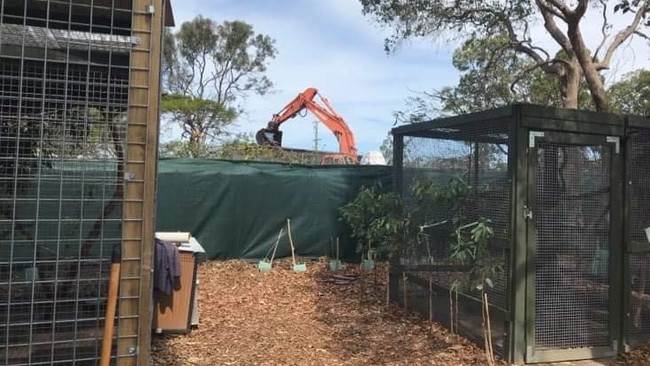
271, 135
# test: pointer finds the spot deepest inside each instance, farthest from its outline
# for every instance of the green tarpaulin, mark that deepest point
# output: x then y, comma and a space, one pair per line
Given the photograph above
235, 209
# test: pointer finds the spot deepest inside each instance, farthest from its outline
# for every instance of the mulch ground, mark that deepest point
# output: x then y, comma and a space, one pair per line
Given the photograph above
311, 318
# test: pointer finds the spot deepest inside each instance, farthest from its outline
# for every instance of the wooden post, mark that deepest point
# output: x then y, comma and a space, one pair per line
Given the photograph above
388, 286
431, 297
109, 318
404, 281
139, 192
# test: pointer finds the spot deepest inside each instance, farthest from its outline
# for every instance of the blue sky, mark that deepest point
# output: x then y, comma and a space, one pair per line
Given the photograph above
330, 45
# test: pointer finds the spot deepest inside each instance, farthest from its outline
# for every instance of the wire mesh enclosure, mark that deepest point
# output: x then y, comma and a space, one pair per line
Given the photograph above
638, 251
526, 216
65, 97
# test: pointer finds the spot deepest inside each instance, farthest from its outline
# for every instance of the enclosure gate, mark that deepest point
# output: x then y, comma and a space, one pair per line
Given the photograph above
574, 185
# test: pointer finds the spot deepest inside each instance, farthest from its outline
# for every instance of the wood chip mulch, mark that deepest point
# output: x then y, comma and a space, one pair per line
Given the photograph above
309, 318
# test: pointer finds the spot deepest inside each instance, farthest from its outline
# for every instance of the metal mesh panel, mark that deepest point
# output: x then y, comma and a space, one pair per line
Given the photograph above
476, 154
571, 253
639, 218
63, 95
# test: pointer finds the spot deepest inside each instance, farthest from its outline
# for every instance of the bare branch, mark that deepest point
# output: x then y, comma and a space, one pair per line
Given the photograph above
540, 50
603, 31
642, 35
552, 28
622, 36
523, 73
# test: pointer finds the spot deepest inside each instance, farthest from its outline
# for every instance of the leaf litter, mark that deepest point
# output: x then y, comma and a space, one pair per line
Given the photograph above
317, 317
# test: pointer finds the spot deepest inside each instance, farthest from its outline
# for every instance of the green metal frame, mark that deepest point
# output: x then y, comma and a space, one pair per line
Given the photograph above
565, 124
615, 281
630, 247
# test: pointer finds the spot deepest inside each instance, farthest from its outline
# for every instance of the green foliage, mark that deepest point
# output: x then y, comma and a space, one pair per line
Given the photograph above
452, 196
245, 150
184, 149
632, 94
386, 149
207, 69
449, 20
502, 28
375, 219
469, 238
491, 75
199, 118
633, 6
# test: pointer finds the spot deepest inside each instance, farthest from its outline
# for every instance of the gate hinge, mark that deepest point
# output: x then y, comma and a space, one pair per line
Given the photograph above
615, 346
528, 213
616, 141
532, 135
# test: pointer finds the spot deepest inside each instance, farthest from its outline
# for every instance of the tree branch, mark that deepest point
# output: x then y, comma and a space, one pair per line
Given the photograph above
552, 28
530, 69
580, 9
545, 63
642, 35
603, 31
552, 6
622, 36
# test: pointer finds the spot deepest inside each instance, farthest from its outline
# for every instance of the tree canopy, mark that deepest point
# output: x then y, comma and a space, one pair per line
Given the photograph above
632, 93
513, 20
208, 68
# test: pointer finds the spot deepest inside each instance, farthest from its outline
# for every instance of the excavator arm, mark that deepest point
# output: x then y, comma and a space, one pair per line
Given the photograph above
271, 135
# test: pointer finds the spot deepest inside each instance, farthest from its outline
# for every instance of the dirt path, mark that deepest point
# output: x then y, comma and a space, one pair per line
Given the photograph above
288, 318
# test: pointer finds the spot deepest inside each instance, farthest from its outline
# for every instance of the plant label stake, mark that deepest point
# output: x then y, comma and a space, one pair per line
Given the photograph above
264, 265
368, 264
296, 267
335, 264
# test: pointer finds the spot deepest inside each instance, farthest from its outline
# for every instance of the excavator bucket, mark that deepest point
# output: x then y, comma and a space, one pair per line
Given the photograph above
269, 137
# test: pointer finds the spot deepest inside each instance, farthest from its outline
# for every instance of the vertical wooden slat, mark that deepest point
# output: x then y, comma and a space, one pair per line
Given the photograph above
151, 165
520, 244
133, 345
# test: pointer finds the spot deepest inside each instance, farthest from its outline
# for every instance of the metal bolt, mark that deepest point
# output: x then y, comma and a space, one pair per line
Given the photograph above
132, 350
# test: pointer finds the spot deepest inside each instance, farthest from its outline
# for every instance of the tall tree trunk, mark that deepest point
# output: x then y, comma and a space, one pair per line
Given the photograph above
586, 63
570, 84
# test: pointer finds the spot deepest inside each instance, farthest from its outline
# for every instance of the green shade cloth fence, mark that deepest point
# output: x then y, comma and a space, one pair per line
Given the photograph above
235, 209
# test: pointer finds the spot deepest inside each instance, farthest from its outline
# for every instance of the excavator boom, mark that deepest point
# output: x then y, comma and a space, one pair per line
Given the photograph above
271, 135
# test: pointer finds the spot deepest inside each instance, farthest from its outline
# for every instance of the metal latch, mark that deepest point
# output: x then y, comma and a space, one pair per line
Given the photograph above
532, 135
616, 141
528, 212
